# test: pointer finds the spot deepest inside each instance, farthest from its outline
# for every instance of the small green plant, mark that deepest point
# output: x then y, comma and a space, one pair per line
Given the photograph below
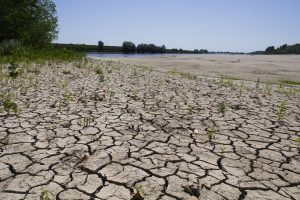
14, 70
222, 107
211, 132
289, 82
297, 140
222, 150
100, 73
9, 104
85, 121
138, 194
281, 110
46, 195
68, 97
145, 135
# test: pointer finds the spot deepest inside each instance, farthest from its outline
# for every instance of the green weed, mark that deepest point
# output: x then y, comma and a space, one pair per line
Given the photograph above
281, 110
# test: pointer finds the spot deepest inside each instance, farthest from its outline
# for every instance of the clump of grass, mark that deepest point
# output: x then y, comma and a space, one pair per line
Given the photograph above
8, 103
211, 131
138, 194
68, 97
222, 107
281, 110
100, 72
14, 70
85, 121
46, 195
222, 150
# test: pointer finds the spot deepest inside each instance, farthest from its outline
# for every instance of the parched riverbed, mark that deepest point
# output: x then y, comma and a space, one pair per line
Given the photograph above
106, 130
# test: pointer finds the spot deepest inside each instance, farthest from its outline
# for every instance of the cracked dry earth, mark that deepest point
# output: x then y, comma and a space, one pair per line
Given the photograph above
77, 137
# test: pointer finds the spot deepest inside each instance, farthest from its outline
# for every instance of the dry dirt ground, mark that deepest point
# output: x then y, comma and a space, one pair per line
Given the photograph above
247, 67
82, 135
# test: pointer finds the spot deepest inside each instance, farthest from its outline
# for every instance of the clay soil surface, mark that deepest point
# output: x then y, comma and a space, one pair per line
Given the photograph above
107, 130
247, 67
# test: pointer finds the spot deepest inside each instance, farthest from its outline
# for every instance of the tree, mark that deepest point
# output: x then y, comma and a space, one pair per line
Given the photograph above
32, 22
128, 47
100, 45
270, 50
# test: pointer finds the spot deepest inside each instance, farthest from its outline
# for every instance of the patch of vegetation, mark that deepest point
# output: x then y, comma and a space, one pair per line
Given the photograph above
222, 107
14, 70
211, 131
289, 82
8, 103
297, 140
85, 121
100, 72
281, 110
46, 195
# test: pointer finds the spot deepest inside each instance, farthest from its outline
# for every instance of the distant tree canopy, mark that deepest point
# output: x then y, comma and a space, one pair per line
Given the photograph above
150, 48
100, 45
200, 51
32, 22
128, 47
284, 49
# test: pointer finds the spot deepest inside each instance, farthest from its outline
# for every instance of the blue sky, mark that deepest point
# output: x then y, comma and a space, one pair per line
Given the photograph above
216, 25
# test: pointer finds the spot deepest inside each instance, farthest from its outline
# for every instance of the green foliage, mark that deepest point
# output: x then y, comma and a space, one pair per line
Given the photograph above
289, 82
281, 110
150, 48
284, 49
222, 107
100, 45
8, 47
99, 71
48, 54
211, 132
85, 121
9, 104
46, 195
33, 23
128, 47
297, 140
14, 70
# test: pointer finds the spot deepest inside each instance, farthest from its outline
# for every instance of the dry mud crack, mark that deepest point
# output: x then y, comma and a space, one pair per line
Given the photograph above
77, 136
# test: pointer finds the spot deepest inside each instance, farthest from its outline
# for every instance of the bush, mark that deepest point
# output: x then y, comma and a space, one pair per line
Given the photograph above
8, 47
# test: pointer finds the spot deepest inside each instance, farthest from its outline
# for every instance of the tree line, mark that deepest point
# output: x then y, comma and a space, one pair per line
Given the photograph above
284, 49
127, 47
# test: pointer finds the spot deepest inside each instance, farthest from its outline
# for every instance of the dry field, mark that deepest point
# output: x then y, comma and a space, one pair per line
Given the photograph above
247, 67
107, 130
